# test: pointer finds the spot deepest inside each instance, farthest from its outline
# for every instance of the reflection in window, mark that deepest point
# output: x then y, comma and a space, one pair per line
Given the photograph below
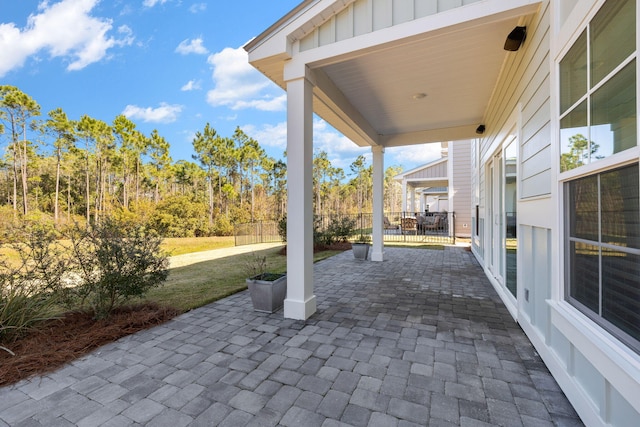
574, 144
598, 114
613, 114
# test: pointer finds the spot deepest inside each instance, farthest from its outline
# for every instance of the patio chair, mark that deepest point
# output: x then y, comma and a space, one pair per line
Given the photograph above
388, 225
432, 223
409, 225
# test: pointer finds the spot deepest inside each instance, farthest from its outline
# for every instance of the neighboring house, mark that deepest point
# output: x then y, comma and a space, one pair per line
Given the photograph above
443, 185
556, 211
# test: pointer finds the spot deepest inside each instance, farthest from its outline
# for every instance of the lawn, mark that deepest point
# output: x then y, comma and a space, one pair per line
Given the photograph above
185, 245
198, 284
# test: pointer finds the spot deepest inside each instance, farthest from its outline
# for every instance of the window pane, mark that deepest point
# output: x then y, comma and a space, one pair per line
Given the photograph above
584, 272
573, 74
621, 291
613, 114
583, 199
573, 139
613, 37
620, 207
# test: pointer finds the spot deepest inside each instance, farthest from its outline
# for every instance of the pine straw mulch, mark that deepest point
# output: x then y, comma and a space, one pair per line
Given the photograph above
75, 334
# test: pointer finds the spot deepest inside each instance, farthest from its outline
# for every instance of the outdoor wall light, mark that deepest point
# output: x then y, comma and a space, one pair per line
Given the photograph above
480, 129
515, 39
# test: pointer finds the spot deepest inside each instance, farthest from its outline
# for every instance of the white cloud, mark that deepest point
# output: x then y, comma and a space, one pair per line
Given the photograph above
151, 3
198, 7
414, 155
191, 85
165, 113
64, 29
191, 46
240, 86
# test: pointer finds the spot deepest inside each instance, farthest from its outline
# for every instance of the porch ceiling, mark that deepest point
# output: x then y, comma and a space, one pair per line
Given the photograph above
369, 87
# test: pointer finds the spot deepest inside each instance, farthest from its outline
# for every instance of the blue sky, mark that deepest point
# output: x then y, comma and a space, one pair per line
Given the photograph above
170, 65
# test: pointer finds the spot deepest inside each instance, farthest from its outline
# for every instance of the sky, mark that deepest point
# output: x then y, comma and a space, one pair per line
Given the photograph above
170, 65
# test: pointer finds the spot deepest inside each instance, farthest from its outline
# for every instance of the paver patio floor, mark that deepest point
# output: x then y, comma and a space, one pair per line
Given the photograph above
420, 339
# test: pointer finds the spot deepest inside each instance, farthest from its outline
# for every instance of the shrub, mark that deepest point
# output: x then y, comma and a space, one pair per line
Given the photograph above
222, 226
115, 264
341, 228
282, 228
180, 216
29, 287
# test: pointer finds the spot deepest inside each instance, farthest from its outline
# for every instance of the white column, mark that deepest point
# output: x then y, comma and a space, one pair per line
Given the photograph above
404, 195
300, 302
378, 204
412, 207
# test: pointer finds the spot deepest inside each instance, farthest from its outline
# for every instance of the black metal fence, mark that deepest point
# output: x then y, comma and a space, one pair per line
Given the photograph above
418, 227
256, 232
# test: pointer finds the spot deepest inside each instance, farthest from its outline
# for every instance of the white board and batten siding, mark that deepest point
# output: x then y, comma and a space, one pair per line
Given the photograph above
365, 16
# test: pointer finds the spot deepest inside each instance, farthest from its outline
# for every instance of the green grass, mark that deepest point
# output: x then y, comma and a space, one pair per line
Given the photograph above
198, 284
185, 245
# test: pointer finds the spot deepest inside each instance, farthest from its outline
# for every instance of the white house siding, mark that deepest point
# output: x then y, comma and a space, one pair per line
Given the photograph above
602, 385
364, 16
460, 194
437, 171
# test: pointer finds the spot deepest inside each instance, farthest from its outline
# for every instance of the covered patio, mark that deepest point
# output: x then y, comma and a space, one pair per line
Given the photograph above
420, 339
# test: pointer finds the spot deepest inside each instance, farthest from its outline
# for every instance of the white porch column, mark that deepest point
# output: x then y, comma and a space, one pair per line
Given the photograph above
412, 202
378, 203
300, 302
404, 194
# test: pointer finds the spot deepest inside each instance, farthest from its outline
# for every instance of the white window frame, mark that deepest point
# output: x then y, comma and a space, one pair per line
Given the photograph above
615, 360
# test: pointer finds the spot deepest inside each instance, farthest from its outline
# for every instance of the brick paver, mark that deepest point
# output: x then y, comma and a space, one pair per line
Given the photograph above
419, 339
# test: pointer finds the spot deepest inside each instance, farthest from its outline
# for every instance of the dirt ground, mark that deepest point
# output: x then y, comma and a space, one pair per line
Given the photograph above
61, 341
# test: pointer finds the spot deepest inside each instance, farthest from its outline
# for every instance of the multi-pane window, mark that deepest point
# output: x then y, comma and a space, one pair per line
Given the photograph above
603, 259
598, 88
598, 119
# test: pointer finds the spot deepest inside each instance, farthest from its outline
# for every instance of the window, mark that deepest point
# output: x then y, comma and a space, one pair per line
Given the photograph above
598, 119
604, 249
598, 88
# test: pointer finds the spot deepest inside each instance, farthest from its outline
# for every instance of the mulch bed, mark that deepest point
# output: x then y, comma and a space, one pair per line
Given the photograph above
72, 336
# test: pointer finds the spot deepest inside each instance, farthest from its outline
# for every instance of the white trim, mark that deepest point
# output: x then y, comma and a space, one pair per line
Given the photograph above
581, 401
617, 363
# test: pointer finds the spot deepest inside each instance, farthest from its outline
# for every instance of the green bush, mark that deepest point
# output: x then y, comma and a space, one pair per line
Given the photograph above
114, 264
222, 226
29, 288
341, 228
180, 216
282, 228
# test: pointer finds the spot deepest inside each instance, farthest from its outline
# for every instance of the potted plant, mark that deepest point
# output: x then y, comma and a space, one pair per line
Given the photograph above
267, 290
360, 247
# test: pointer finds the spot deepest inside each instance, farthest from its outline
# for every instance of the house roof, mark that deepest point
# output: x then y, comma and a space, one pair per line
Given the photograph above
369, 84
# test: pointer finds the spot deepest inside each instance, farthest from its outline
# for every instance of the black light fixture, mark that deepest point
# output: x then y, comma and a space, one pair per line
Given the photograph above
480, 129
515, 39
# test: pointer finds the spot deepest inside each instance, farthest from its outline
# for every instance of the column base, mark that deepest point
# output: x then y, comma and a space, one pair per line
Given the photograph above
299, 310
377, 256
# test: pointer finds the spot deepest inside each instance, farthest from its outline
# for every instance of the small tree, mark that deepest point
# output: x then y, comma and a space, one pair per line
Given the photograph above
115, 264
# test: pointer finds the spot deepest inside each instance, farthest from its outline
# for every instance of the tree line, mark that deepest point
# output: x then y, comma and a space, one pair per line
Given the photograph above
59, 170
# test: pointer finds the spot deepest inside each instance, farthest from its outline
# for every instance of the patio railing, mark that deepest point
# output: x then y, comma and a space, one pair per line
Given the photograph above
425, 227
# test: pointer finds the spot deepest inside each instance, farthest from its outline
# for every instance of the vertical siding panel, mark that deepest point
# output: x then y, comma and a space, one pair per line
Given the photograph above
402, 11
382, 14
344, 24
362, 19
425, 8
